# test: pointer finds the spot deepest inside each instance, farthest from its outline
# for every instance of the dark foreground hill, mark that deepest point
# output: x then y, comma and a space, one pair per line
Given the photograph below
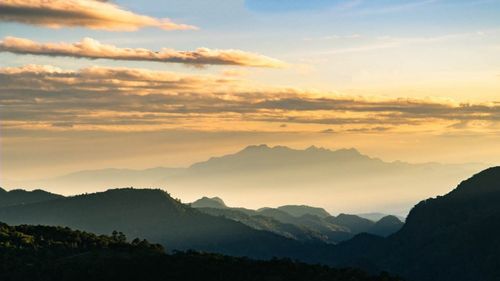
56, 254
452, 237
154, 215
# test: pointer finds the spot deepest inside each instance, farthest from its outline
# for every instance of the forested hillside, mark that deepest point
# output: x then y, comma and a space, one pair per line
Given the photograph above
42, 253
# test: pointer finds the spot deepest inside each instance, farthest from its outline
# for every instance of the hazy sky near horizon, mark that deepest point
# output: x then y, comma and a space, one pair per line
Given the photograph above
90, 84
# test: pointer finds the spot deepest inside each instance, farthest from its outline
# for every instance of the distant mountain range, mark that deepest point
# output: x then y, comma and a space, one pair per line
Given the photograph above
451, 237
280, 175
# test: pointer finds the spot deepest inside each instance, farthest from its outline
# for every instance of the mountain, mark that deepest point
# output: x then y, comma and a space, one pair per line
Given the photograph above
340, 176
377, 216
330, 232
386, 226
55, 254
451, 237
261, 222
306, 228
299, 222
354, 223
206, 202
301, 210
154, 215
277, 214
18, 197
278, 175
312, 222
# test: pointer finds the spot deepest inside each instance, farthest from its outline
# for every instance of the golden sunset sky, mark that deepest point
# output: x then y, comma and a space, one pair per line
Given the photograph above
90, 84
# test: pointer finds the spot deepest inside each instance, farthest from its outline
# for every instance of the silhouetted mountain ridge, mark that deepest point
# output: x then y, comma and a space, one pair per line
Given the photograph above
266, 223
386, 226
451, 237
300, 222
375, 216
19, 196
355, 223
156, 216
264, 156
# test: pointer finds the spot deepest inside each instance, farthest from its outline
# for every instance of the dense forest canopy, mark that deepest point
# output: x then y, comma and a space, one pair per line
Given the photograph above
54, 253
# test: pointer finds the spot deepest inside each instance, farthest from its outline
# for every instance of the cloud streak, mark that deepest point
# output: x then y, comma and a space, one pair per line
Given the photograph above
80, 13
110, 98
93, 49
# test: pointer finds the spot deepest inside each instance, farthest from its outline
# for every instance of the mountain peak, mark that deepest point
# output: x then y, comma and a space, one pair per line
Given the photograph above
315, 148
349, 151
483, 182
205, 202
312, 148
390, 219
473, 199
257, 147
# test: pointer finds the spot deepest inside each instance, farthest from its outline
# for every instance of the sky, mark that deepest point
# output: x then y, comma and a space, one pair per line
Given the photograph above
137, 84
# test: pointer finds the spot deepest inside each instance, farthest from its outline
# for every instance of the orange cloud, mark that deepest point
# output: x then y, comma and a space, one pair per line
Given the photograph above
85, 13
93, 49
135, 99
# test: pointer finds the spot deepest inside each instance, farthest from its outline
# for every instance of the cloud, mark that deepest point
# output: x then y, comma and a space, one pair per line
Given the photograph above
93, 49
102, 79
80, 13
106, 98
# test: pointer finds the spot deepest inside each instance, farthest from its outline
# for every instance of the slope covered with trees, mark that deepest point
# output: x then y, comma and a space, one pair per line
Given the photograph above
55, 254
